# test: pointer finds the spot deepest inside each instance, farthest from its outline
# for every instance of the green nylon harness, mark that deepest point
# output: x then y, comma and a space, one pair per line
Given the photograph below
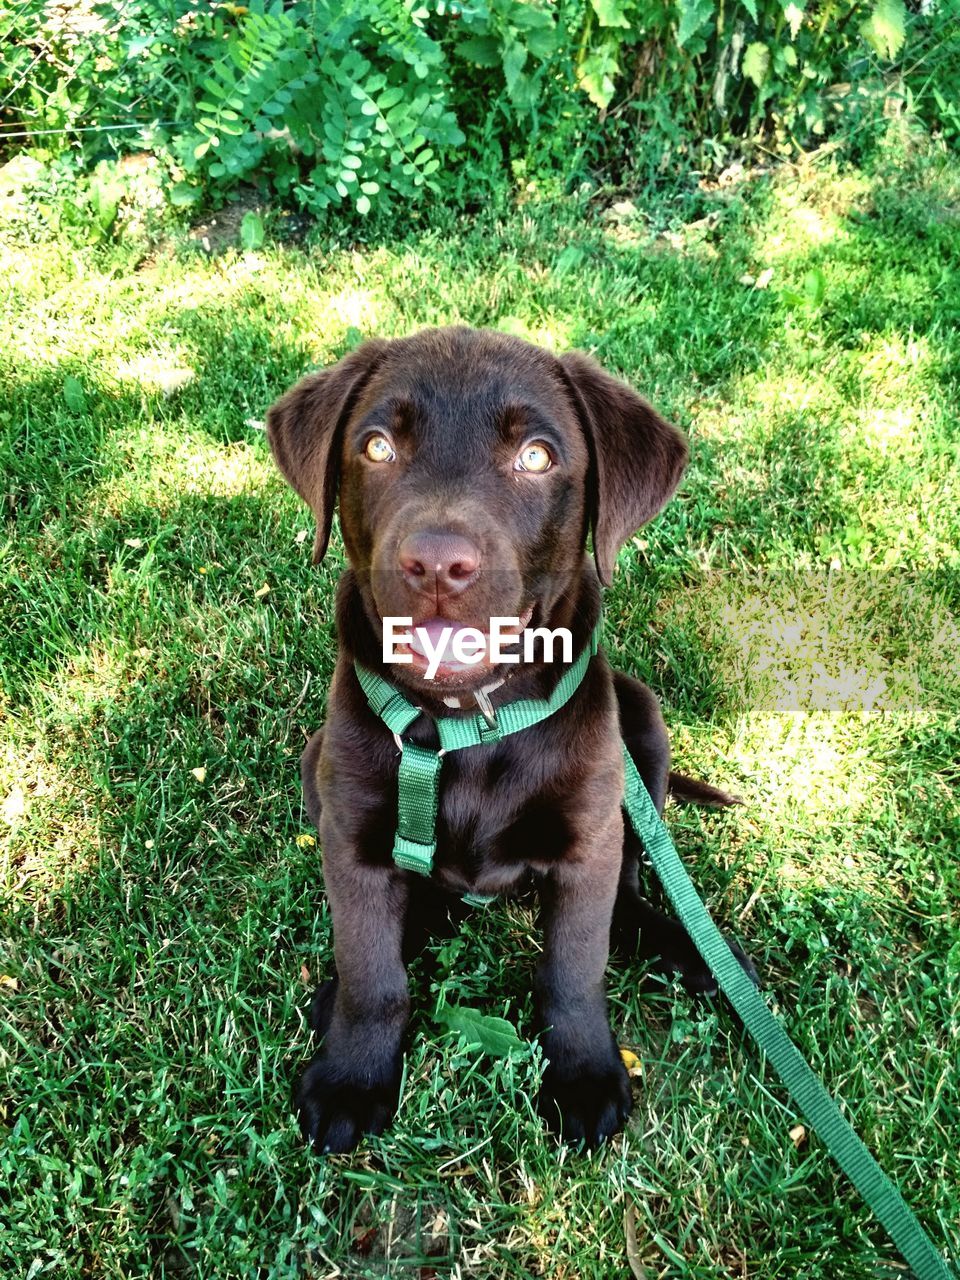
415, 846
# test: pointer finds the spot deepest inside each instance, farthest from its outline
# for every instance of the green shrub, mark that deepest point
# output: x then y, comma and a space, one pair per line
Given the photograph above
338, 106
788, 71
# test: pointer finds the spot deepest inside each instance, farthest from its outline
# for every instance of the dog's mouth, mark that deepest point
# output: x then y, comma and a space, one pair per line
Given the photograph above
446, 651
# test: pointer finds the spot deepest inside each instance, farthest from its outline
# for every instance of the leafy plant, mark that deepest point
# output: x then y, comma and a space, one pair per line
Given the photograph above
518, 39
252, 231
297, 95
492, 1035
344, 107
721, 70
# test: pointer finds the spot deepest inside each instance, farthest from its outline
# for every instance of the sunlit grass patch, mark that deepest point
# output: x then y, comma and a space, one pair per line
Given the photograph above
830, 642
545, 331
760, 399
809, 211
49, 829
159, 465
355, 308
162, 372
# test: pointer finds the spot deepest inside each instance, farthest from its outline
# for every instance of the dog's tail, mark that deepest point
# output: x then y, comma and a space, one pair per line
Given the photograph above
693, 791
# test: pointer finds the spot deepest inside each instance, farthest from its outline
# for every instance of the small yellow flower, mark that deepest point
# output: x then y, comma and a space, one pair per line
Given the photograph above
306, 841
631, 1062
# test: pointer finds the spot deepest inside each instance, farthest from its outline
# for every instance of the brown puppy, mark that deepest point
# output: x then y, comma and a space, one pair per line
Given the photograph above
471, 467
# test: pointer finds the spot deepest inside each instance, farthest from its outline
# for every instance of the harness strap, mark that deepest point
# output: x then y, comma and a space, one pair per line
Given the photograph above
418, 780
417, 798
814, 1101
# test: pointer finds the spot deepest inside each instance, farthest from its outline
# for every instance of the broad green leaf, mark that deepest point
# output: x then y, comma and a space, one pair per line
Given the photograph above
569, 260
182, 195
363, 204
751, 8
794, 15
251, 230
756, 62
525, 93
542, 43
815, 287
597, 74
528, 17
73, 395
514, 56
693, 15
610, 13
885, 29
494, 1036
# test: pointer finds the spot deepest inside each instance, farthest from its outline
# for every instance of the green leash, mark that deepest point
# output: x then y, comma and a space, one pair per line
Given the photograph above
814, 1101
415, 847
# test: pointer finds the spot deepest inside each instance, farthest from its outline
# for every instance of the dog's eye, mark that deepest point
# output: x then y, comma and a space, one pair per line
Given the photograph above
533, 457
379, 449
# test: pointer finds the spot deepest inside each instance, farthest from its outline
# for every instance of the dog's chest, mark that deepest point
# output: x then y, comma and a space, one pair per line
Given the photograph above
497, 818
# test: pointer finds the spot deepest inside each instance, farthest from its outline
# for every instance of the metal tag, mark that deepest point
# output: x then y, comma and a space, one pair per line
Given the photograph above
486, 708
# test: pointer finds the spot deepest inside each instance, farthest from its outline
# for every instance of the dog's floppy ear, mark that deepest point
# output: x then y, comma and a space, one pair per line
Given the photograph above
636, 459
305, 427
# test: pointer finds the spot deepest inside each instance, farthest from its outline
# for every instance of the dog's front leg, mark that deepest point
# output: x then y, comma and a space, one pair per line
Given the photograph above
586, 1090
351, 1086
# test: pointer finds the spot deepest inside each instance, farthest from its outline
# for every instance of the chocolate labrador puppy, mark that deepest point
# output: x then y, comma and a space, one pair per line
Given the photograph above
471, 468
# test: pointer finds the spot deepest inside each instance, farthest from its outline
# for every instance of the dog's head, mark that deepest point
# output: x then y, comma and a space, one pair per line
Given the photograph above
471, 467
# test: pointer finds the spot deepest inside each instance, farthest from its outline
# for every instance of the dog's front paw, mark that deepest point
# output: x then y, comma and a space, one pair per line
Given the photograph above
587, 1106
336, 1106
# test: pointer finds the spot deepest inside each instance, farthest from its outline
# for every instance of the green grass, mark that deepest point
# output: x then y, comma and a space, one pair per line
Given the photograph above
795, 607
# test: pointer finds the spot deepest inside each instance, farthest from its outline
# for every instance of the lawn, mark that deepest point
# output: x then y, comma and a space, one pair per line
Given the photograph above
165, 648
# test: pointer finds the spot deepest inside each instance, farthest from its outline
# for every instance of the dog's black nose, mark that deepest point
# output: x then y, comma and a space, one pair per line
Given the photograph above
438, 562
